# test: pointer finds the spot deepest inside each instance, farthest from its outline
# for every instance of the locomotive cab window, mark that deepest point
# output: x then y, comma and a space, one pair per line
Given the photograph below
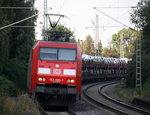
67, 54
48, 53
59, 54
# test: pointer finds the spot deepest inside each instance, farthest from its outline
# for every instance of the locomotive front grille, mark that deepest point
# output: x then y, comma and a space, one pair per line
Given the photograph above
55, 89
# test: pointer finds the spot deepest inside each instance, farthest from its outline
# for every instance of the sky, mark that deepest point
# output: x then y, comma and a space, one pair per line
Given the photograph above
81, 17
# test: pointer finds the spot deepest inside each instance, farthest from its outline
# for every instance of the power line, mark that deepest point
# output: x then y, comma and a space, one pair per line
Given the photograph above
113, 18
26, 8
104, 27
62, 6
19, 21
16, 7
116, 7
23, 26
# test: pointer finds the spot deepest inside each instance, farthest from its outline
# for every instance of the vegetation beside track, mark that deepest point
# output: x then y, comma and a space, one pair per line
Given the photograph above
140, 17
21, 105
129, 94
125, 93
15, 45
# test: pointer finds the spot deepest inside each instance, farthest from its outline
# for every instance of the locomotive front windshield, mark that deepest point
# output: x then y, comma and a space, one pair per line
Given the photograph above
57, 54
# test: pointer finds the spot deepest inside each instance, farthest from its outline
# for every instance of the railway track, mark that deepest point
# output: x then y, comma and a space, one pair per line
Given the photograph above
96, 94
59, 113
102, 92
43, 112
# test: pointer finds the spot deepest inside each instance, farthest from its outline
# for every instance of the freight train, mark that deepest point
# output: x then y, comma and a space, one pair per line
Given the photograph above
54, 76
55, 69
96, 68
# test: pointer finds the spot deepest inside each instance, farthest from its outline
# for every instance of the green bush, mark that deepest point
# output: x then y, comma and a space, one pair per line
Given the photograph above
7, 87
146, 88
130, 80
2, 100
16, 70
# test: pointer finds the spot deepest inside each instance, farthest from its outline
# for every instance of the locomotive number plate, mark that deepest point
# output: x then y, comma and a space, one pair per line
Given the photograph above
56, 80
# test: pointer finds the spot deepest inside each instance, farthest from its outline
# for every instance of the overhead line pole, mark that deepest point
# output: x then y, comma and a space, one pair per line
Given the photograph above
97, 35
138, 62
45, 20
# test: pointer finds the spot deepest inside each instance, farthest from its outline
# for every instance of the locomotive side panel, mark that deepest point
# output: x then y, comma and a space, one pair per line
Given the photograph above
79, 70
33, 68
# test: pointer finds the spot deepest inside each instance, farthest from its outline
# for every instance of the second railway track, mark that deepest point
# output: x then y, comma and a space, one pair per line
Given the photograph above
58, 113
131, 107
53, 110
95, 93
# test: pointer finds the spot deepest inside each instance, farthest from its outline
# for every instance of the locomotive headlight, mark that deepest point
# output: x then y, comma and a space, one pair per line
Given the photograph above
40, 79
44, 79
72, 81
68, 81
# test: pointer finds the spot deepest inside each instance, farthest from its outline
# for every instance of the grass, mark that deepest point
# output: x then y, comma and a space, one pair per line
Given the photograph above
21, 105
124, 96
127, 94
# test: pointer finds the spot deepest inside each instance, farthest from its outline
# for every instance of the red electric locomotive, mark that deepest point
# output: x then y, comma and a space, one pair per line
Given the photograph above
55, 72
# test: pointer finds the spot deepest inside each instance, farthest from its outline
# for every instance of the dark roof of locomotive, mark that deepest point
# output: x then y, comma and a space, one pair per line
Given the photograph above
57, 42
46, 43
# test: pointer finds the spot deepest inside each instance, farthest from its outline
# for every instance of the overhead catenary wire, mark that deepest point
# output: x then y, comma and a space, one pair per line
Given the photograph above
19, 21
115, 7
24, 26
62, 6
113, 18
104, 26
16, 7
25, 8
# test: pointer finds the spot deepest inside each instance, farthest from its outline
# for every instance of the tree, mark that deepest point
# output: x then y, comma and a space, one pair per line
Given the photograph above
60, 33
115, 44
141, 18
16, 43
81, 43
4, 38
109, 52
89, 46
124, 39
21, 39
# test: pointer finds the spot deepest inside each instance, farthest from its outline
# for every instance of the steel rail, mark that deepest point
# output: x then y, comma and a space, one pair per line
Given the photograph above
42, 111
101, 104
145, 112
71, 112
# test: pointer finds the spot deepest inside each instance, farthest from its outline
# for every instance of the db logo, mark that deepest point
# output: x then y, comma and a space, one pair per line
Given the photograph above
56, 71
